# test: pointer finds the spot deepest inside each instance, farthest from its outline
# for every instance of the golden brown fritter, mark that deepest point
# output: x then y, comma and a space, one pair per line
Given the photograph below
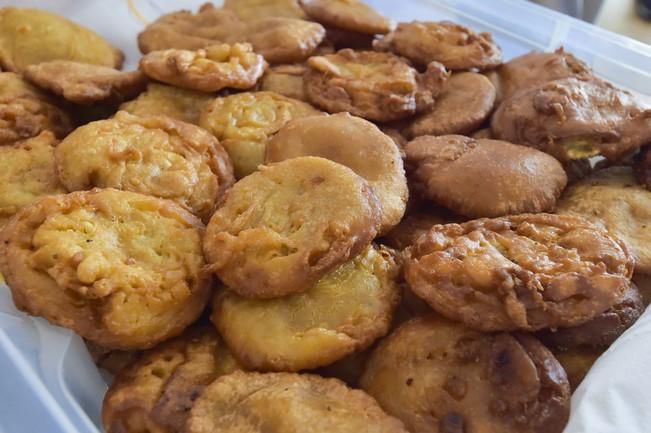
577, 362
417, 223
355, 143
438, 376
244, 123
484, 178
112, 361
344, 312
376, 86
286, 80
455, 46
209, 70
575, 118
101, 263
156, 393
284, 40
283, 228
84, 83
526, 272
249, 10
352, 15
159, 156
466, 102
31, 36
288, 403
642, 167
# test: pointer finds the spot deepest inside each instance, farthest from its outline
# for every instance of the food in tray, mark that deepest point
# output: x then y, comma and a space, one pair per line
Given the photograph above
312, 136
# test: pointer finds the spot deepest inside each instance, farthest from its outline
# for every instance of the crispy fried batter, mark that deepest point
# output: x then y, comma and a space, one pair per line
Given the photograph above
210, 70
355, 143
156, 393
466, 102
245, 122
417, 223
249, 10
86, 84
32, 36
159, 156
376, 86
286, 80
100, 262
484, 178
283, 228
642, 167
525, 272
288, 403
577, 362
455, 46
575, 118
438, 376
284, 40
161, 100
352, 15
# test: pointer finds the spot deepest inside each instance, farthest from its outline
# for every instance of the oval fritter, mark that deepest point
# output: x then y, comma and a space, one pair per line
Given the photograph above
352, 15
438, 376
100, 263
519, 272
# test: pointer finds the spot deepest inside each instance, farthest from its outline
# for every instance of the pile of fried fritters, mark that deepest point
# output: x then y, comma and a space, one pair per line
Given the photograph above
297, 216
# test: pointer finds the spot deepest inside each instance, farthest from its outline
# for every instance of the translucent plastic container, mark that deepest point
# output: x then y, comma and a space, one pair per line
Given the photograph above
48, 382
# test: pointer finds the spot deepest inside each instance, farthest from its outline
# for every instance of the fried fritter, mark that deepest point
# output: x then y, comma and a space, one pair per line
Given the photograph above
209, 70
159, 156
466, 102
286, 80
245, 122
249, 10
32, 36
526, 272
156, 393
352, 15
288, 403
438, 376
642, 167
355, 143
344, 312
484, 178
577, 362
455, 46
101, 263
283, 228
613, 198
86, 84
111, 360
575, 118
376, 86
161, 100
417, 223
284, 40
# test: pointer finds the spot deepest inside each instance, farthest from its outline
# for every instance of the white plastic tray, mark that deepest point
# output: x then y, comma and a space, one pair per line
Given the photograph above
48, 383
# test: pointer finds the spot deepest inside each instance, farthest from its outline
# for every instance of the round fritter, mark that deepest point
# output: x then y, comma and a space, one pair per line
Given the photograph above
244, 123
209, 70
642, 167
465, 103
353, 15
84, 83
344, 312
520, 272
31, 36
161, 100
159, 156
249, 10
355, 143
110, 360
284, 227
376, 86
484, 178
417, 223
455, 46
577, 362
284, 40
438, 376
286, 80
288, 403
156, 393
27, 171
101, 263
575, 118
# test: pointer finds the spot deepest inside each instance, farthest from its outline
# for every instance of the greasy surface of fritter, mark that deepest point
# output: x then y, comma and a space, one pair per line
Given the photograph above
284, 227
151, 155
344, 312
31, 36
484, 178
352, 15
155, 393
286, 80
577, 362
249, 10
376, 86
355, 143
416, 223
455, 46
575, 118
286, 402
519, 272
438, 376
244, 123
209, 70
84, 83
101, 263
